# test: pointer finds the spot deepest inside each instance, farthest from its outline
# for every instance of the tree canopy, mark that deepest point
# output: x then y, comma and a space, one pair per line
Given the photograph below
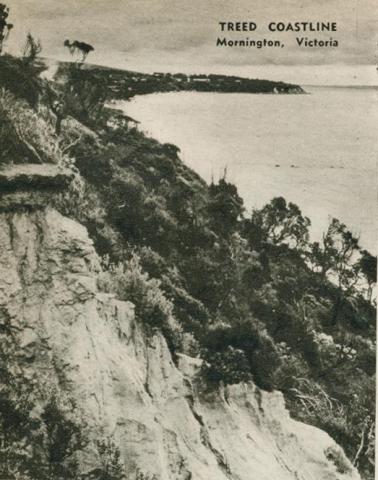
81, 48
279, 222
5, 26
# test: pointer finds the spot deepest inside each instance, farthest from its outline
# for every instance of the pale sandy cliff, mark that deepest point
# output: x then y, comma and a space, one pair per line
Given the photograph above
89, 345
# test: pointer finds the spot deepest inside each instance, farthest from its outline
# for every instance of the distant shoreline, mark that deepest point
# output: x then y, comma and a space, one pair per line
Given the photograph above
125, 84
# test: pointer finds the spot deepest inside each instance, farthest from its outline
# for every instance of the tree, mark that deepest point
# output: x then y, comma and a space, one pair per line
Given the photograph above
79, 47
337, 256
5, 27
225, 207
64, 436
279, 222
368, 266
84, 95
55, 101
32, 49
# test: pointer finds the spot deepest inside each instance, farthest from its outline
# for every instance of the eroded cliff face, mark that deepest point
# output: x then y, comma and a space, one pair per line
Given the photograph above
124, 383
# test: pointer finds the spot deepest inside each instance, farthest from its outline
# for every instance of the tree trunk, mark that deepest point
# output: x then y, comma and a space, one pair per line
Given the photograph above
58, 124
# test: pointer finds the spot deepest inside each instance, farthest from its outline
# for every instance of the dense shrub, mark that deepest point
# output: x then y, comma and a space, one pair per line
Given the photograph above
37, 447
111, 467
64, 436
25, 136
292, 368
21, 79
247, 344
225, 207
83, 94
191, 313
228, 366
130, 283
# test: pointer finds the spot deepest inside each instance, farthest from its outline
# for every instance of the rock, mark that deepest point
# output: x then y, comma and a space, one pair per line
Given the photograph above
29, 176
125, 383
31, 185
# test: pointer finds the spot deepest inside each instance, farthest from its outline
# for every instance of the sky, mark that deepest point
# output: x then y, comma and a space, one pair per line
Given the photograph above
180, 35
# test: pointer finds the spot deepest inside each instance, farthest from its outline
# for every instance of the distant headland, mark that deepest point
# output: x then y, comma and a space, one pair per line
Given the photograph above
125, 84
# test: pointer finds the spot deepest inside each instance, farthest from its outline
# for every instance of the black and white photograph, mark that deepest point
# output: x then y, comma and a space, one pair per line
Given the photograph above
188, 239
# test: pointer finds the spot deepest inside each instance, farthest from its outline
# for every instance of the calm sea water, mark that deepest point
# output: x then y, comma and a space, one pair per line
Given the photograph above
318, 150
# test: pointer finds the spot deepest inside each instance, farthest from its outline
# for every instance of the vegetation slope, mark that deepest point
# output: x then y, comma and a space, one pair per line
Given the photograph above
249, 293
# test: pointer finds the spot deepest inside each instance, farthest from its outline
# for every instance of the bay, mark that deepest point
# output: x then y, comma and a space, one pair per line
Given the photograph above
317, 150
